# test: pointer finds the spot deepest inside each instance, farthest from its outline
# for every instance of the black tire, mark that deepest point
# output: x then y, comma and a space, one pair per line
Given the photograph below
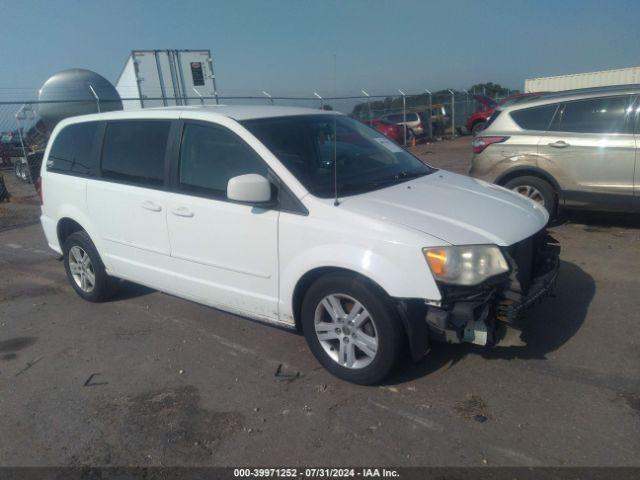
477, 127
104, 286
387, 327
547, 192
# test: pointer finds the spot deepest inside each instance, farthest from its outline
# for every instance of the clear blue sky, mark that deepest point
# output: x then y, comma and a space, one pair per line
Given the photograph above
287, 47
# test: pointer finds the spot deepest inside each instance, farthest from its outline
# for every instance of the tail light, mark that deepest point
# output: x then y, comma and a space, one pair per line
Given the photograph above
480, 143
39, 190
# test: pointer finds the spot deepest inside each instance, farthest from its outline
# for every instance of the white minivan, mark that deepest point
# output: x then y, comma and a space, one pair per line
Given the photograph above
298, 217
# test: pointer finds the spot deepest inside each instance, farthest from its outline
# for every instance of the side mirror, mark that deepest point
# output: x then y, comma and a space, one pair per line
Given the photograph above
249, 188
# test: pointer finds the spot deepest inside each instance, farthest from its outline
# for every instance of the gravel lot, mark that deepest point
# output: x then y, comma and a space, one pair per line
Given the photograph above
150, 379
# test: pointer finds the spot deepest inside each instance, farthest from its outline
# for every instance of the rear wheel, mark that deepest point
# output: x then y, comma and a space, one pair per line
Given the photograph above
351, 328
85, 269
536, 189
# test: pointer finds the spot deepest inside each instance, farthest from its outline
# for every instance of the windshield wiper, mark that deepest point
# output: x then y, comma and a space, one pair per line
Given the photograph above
404, 174
398, 178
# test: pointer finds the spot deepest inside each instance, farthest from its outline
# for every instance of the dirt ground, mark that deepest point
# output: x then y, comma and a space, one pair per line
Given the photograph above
150, 379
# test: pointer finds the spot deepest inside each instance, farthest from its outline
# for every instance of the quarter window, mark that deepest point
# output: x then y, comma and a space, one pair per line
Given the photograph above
72, 150
134, 151
211, 156
597, 115
536, 118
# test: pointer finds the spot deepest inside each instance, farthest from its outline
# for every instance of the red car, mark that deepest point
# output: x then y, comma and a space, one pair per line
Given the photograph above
478, 120
389, 130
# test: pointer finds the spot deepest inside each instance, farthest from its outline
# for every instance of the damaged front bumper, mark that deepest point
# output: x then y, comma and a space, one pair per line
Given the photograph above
483, 313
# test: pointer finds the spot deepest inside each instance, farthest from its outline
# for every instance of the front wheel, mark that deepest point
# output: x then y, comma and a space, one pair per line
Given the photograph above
351, 328
537, 189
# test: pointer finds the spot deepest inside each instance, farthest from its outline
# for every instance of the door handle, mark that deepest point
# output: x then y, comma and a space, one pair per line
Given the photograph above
182, 212
151, 206
559, 144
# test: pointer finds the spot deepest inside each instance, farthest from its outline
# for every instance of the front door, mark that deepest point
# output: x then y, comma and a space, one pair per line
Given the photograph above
592, 142
225, 253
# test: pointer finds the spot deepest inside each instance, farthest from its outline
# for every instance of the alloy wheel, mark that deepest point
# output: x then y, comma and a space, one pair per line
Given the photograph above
531, 192
346, 331
82, 269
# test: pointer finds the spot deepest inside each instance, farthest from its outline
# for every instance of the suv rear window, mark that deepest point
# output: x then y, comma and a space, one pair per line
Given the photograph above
536, 118
72, 149
134, 151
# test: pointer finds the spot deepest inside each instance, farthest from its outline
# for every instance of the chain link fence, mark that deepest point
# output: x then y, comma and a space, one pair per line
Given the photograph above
441, 114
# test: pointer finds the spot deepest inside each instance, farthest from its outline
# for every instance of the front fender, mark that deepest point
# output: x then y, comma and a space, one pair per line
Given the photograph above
406, 276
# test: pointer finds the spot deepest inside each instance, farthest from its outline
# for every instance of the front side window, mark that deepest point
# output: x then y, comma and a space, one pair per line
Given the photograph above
596, 115
535, 118
72, 150
310, 146
210, 156
134, 151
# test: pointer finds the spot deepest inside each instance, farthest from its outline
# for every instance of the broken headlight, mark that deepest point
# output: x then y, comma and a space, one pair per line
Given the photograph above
466, 264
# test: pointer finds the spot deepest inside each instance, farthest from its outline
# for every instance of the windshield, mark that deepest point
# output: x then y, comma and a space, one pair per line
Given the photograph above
366, 160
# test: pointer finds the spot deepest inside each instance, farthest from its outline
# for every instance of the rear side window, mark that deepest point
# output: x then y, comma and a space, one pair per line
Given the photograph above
536, 118
596, 115
134, 151
210, 156
72, 150
395, 118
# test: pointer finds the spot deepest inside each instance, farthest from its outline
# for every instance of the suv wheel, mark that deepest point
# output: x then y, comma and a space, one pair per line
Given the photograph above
351, 329
536, 189
85, 269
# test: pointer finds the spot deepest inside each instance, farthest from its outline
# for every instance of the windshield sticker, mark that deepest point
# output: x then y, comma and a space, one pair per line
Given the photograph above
389, 145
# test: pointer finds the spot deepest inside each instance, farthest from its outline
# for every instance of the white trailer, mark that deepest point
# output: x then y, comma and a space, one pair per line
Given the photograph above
156, 78
604, 78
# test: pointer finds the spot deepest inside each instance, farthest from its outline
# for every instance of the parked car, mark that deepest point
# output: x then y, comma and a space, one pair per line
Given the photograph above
566, 150
478, 120
389, 130
296, 217
413, 121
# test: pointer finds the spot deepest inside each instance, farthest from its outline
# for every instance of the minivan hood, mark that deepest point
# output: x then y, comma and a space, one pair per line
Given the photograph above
457, 209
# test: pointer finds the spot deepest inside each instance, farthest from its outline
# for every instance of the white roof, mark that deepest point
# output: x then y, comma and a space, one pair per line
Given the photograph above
235, 112
246, 112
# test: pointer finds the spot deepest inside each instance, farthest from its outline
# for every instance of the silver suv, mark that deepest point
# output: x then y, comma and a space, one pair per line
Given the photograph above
572, 149
412, 121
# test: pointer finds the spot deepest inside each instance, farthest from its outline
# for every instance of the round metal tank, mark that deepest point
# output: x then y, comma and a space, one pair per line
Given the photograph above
70, 93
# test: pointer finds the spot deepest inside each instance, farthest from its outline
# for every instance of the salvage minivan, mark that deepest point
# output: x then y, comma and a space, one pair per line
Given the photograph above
302, 218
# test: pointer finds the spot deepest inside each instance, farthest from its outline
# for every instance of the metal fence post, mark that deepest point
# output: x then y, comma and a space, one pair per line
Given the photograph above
24, 150
95, 95
199, 94
404, 115
368, 104
268, 96
453, 114
429, 115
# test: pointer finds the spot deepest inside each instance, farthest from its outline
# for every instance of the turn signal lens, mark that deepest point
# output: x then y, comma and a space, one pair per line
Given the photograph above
437, 259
